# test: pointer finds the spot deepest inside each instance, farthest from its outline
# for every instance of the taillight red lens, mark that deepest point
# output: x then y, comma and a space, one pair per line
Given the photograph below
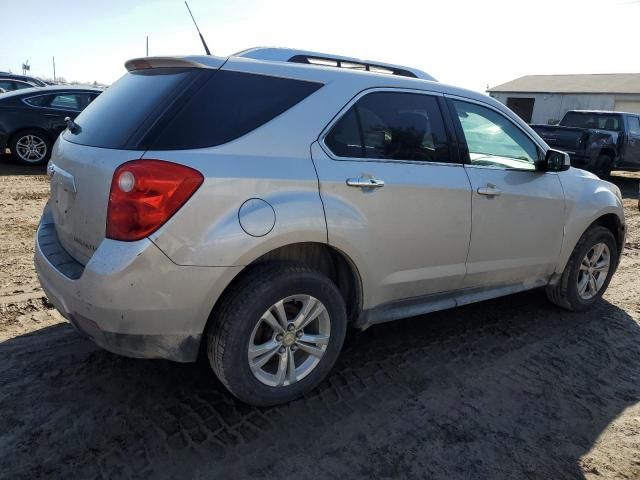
145, 194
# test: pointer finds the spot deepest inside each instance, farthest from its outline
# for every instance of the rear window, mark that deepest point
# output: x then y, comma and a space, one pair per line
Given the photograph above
174, 109
119, 116
228, 106
592, 120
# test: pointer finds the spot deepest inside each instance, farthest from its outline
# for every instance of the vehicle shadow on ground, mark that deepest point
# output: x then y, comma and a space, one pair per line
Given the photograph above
510, 388
9, 167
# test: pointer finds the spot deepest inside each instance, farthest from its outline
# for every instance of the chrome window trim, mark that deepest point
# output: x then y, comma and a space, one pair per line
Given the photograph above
326, 130
500, 169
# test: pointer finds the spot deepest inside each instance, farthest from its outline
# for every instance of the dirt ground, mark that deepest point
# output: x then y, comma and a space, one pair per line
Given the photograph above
510, 388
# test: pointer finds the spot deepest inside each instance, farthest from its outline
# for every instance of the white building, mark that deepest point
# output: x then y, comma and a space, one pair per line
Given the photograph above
546, 98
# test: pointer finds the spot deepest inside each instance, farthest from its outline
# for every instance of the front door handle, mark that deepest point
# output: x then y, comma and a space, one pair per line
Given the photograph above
489, 190
365, 182
52, 115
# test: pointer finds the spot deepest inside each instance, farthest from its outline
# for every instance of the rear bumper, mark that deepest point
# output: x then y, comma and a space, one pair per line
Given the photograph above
130, 298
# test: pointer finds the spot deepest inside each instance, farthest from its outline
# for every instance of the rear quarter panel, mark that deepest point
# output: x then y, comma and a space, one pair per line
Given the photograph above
272, 163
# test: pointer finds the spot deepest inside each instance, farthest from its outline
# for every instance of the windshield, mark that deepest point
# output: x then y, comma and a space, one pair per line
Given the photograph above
601, 121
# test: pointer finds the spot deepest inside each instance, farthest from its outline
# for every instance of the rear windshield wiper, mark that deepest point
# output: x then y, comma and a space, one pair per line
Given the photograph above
72, 126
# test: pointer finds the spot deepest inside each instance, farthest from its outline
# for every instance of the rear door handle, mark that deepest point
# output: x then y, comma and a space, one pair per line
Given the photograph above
490, 191
365, 182
52, 115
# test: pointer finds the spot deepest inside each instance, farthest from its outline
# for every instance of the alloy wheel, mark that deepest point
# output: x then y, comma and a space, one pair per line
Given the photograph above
593, 270
289, 340
31, 148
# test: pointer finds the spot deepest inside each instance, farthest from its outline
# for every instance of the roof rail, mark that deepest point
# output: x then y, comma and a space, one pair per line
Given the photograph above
323, 59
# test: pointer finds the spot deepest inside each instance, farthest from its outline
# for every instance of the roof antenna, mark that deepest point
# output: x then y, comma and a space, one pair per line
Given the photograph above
204, 44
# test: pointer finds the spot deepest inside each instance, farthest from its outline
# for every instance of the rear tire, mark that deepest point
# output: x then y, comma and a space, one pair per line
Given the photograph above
30, 147
575, 291
254, 333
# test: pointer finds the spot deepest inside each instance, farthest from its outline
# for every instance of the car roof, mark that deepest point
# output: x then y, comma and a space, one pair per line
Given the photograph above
312, 72
2, 77
283, 56
278, 54
15, 76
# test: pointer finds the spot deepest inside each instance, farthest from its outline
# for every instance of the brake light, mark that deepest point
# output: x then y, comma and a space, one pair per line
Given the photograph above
145, 194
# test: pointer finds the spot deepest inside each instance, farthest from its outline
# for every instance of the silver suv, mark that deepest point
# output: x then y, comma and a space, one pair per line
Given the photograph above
249, 208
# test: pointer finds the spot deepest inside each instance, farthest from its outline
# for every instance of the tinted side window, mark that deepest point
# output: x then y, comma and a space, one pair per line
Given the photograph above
344, 138
65, 102
493, 140
39, 101
228, 106
7, 85
395, 126
634, 126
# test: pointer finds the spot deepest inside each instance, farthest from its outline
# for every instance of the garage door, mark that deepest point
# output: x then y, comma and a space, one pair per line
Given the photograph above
632, 106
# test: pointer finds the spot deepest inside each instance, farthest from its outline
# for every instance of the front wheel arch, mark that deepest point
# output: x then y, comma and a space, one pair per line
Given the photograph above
612, 222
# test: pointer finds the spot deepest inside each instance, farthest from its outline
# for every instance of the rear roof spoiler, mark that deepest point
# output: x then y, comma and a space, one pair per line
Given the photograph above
143, 63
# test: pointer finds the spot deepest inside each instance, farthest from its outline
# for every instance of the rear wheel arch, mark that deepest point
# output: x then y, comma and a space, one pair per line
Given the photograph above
329, 261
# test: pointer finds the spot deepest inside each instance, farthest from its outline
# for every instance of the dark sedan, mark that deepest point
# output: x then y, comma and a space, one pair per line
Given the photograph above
31, 119
36, 82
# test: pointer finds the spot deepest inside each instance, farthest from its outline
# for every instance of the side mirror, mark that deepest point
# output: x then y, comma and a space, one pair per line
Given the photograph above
555, 161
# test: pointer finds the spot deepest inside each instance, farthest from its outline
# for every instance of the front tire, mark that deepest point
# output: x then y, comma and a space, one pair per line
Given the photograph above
30, 147
588, 272
276, 334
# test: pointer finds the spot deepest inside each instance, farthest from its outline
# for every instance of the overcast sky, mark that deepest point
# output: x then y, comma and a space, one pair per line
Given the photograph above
466, 43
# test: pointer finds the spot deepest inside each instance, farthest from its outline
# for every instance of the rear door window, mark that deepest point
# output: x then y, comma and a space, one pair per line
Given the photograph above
65, 101
39, 100
392, 126
634, 126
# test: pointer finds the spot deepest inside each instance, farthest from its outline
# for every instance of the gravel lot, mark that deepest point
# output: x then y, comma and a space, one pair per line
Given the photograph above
510, 388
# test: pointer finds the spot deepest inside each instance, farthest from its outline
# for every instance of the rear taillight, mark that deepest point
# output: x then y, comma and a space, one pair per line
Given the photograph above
145, 194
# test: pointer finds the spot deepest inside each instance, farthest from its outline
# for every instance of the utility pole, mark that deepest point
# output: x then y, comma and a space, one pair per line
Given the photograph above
25, 67
147, 45
54, 69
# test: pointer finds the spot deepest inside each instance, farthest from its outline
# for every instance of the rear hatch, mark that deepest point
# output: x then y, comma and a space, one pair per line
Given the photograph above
117, 127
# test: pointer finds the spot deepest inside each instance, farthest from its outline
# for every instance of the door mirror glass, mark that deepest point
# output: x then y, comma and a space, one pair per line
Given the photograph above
555, 161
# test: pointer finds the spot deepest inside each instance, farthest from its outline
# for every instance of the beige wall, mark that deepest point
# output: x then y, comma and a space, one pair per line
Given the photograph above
632, 106
553, 106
